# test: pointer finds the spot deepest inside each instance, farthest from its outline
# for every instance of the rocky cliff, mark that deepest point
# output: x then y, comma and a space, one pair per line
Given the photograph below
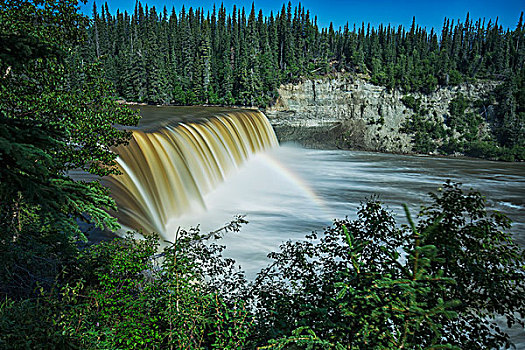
345, 111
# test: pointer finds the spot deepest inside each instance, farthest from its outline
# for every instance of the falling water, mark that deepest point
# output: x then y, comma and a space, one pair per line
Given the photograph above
166, 172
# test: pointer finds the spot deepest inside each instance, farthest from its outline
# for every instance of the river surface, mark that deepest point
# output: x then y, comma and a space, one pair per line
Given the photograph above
289, 192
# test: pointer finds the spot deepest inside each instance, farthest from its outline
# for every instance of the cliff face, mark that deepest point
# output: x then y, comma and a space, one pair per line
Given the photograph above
349, 112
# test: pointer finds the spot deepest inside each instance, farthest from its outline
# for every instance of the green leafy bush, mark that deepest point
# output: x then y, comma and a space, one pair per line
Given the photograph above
368, 283
123, 294
186, 296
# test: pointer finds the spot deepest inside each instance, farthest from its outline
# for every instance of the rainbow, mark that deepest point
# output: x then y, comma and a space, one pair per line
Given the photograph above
287, 173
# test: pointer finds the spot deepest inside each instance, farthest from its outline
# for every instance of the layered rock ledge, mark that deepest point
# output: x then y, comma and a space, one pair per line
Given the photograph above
349, 112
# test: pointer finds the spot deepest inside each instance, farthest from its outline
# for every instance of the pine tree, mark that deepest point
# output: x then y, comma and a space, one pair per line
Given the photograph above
43, 82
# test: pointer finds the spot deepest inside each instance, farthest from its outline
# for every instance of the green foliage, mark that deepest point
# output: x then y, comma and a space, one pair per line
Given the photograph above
509, 123
56, 115
33, 183
410, 102
123, 294
457, 119
427, 131
303, 338
368, 283
476, 250
465, 129
28, 324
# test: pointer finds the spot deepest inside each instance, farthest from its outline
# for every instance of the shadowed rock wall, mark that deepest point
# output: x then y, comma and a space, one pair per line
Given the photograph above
348, 112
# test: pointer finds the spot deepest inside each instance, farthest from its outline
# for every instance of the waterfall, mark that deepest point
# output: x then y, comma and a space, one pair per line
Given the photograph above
167, 172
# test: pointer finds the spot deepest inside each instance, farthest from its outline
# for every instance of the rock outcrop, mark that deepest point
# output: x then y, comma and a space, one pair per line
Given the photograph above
345, 111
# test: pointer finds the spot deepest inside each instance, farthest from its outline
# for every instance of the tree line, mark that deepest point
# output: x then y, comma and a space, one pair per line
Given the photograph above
195, 56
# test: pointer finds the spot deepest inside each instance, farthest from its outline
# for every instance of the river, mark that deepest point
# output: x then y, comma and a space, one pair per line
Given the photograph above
288, 191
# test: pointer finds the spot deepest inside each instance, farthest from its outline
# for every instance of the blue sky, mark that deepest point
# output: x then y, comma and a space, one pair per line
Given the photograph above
428, 13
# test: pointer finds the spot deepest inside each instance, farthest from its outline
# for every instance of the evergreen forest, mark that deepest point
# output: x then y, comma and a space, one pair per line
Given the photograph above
447, 278
240, 57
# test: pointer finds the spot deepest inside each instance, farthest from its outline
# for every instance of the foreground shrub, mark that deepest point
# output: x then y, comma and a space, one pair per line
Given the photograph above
370, 284
122, 294
367, 283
